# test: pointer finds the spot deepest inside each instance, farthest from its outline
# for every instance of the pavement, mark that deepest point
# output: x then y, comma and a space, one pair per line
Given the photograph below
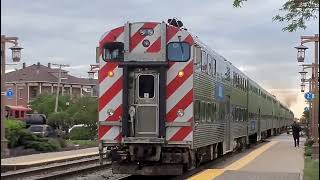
274, 160
48, 157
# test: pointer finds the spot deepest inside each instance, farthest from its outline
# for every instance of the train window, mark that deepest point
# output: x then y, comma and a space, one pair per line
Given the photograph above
204, 62
221, 111
146, 86
203, 111
178, 51
210, 67
208, 112
197, 57
113, 51
197, 110
214, 111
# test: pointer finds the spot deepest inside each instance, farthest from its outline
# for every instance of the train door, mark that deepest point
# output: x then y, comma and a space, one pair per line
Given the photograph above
259, 126
228, 123
146, 102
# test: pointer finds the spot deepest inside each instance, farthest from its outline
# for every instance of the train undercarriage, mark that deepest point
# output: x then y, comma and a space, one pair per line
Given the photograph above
160, 159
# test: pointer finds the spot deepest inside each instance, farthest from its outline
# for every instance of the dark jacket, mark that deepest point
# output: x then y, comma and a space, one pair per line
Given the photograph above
296, 130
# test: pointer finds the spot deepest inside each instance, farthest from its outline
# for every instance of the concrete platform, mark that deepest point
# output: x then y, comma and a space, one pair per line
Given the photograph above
277, 159
46, 158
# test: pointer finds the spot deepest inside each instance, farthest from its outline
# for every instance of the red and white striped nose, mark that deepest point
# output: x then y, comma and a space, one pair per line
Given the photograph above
145, 38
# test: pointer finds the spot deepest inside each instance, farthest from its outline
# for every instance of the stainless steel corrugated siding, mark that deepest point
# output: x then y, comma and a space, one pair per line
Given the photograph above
206, 134
238, 129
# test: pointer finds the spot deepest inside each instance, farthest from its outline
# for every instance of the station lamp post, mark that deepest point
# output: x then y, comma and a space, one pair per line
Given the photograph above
303, 87
16, 56
94, 68
314, 87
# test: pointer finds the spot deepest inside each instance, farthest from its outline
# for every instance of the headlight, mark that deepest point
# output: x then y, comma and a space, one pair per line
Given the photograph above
180, 73
110, 112
150, 32
146, 43
146, 32
143, 32
180, 113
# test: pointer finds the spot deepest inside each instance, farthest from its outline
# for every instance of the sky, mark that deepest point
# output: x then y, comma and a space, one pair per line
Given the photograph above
68, 32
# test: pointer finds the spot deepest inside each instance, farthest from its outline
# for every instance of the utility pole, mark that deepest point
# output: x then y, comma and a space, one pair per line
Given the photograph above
59, 82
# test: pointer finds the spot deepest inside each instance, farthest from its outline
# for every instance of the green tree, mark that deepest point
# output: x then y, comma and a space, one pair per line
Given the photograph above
84, 111
306, 114
61, 120
297, 12
44, 104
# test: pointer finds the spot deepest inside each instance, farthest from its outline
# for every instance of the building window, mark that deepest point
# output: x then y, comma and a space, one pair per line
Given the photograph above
22, 114
16, 114
33, 92
20, 93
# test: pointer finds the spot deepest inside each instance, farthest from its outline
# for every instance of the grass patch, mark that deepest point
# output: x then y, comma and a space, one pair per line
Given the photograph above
311, 169
307, 150
83, 143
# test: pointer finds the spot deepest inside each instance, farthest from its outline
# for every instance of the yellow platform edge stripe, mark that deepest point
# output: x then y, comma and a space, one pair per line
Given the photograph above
49, 159
210, 174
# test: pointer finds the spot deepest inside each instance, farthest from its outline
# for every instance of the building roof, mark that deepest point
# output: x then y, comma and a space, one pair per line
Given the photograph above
40, 73
21, 108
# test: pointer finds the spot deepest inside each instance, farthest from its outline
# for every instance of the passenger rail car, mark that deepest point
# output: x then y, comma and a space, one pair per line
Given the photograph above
167, 102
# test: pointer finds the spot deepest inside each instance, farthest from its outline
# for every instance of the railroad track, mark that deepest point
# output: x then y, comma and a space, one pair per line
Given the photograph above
58, 170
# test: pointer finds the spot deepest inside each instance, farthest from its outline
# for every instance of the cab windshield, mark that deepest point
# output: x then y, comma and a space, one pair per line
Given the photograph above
178, 51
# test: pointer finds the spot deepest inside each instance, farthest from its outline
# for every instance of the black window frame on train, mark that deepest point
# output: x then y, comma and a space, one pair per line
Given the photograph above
186, 58
202, 112
214, 112
197, 110
208, 113
212, 61
204, 58
209, 67
113, 47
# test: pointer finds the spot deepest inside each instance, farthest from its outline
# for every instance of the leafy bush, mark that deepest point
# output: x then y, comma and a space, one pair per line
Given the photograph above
17, 135
43, 146
82, 133
309, 142
60, 120
26, 136
63, 143
308, 151
13, 129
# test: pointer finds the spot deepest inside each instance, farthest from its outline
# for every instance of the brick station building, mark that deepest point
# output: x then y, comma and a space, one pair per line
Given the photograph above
31, 81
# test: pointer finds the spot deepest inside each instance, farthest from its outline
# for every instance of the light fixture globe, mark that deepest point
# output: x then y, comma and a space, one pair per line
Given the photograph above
302, 87
91, 74
303, 75
301, 52
16, 53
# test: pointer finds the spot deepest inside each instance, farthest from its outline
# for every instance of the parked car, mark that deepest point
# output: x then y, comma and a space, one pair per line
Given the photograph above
43, 130
35, 119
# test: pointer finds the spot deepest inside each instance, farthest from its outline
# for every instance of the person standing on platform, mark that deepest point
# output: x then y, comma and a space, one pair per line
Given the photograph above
296, 133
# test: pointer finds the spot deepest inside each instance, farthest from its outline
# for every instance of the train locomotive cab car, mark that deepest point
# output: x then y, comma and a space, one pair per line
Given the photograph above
167, 102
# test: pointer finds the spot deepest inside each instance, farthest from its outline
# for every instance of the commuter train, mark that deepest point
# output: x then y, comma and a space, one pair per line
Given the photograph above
167, 102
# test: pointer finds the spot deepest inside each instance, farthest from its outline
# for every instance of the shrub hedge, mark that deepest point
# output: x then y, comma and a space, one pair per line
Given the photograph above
12, 130
82, 133
17, 135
